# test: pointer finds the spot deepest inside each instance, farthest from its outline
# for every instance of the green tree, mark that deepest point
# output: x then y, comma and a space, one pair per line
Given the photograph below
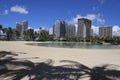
4, 30
9, 33
43, 36
36, 35
16, 33
29, 34
24, 35
0, 29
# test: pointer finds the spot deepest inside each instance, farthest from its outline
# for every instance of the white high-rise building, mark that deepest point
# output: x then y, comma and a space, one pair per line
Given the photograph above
59, 29
84, 28
105, 31
91, 32
19, 27
70, 30
25, 25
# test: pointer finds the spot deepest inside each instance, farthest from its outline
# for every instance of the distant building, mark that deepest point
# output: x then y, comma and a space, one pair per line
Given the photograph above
43, 31
25, 25
91, 32
59, 29
19, 27
105, 31
84, 28
70, 30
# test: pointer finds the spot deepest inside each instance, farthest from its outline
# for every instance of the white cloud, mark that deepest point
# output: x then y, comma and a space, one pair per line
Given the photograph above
19, 9
6, 12
95, 30
44, 28
37, 30
1, 32
91, 16
95, 8
100, 19
29, 27
101, 1
74, 19
94, 17
116, 30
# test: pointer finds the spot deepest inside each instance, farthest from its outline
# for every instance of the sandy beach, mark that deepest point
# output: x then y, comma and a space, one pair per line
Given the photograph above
88, 57
45, 63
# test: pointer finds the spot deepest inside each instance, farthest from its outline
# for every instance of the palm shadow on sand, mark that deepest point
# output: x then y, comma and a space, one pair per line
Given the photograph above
16, 69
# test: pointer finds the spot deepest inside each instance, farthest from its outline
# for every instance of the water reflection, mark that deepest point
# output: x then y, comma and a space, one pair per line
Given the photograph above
74, 45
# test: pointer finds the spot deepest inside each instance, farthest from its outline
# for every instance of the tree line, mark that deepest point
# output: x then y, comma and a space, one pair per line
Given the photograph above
30, 34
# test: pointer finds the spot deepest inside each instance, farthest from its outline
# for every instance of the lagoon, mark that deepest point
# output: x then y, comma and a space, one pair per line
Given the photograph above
75, 45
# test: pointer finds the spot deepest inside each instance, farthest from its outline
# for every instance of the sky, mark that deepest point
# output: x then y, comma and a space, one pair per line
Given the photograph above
45, 12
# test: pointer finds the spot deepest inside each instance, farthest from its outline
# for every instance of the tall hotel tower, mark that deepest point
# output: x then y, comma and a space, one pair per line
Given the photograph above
25, 25
105, 31
84, 28
19, 27
70, 30
59, 29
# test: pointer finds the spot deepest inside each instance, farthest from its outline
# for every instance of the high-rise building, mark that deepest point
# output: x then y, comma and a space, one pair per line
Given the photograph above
91, 32
59, 29
25, 25
19, 27
84, 28
70, 30
105, 31
43, 31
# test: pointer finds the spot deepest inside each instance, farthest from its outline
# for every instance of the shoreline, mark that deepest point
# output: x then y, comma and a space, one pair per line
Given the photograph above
27, 43
89, 57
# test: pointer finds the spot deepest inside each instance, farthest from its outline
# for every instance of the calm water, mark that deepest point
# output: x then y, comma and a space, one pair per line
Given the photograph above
74, 45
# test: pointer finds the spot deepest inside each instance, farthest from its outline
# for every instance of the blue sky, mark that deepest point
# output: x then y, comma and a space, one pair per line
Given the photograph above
46, 12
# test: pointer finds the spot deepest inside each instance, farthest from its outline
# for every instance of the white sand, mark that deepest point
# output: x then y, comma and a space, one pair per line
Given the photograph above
88, 57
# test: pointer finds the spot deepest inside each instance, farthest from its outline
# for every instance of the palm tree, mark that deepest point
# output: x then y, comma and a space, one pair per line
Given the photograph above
43, 35
0, 29
35, 33
25, 35
5, 31
31, 33
9, 33
17, 33
28, 34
